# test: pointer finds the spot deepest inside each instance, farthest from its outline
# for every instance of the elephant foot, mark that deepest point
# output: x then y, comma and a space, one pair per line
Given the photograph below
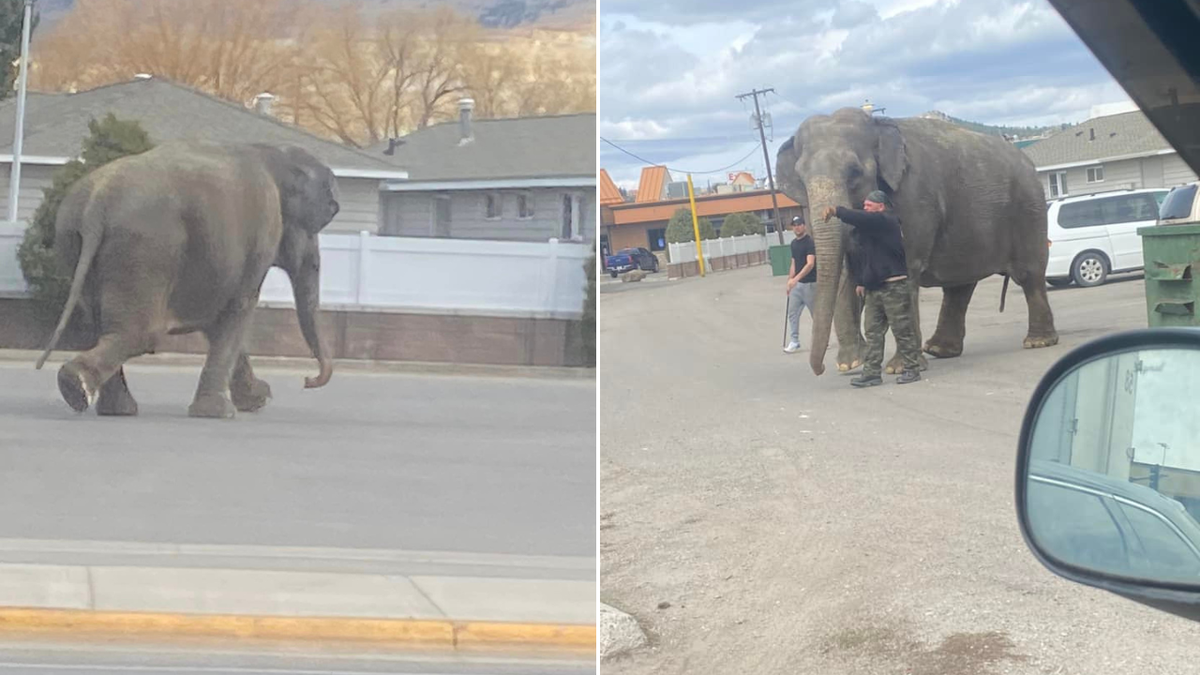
212, 406
77, 386
942, 349
896, 365
117, 405
847, 367
250, 398
1040, 341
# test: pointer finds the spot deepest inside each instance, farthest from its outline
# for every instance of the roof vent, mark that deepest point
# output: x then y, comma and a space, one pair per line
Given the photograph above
1091, 134
465, 107
393, 143
262, 103
143, 76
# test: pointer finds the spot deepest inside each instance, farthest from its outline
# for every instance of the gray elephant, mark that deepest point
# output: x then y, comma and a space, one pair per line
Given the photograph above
970, 206
178, 240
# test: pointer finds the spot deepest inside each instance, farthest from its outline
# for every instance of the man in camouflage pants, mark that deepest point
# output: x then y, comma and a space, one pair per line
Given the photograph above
880, 270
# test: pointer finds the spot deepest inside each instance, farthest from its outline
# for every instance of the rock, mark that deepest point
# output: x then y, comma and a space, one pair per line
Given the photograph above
664, 604
617, 633
633, 275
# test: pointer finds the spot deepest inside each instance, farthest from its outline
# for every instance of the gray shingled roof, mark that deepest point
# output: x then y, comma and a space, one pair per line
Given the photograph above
525, 147
56, 124
1128, 133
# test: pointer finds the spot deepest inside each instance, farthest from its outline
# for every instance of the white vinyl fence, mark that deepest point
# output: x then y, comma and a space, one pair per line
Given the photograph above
441, 276
719, 248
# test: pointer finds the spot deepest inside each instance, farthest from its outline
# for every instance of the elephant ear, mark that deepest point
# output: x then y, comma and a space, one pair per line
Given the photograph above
889, 153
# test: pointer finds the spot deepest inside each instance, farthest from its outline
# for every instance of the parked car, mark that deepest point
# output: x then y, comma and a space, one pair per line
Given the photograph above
1092, 236
630, 259
1181, 206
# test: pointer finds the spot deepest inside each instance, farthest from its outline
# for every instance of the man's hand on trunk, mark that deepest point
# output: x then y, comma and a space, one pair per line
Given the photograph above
829, 213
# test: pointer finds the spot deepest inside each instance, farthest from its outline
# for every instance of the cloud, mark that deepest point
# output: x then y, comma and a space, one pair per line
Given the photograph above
671, 69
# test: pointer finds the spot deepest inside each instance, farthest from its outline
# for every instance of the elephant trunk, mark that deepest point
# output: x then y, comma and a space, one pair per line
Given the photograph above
827, 237
306, 285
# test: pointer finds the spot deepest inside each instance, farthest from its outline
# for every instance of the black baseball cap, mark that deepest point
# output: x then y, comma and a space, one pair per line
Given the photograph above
797, 220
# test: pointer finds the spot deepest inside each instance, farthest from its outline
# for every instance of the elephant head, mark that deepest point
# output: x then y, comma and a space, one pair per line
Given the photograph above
308, 200
836, 160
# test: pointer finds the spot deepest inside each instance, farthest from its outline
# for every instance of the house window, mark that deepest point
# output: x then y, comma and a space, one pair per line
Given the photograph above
525, 206
441, 216
493, 206
1058, 184
568, 218
1095, 174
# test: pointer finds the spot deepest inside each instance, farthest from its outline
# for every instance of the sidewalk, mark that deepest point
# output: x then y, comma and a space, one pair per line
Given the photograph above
163, 590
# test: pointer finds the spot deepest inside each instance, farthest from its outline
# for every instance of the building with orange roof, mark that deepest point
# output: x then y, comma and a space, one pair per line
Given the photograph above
609, 192
653, 185
643, 224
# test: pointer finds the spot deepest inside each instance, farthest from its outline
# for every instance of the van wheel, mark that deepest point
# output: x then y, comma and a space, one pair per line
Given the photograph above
1089, 269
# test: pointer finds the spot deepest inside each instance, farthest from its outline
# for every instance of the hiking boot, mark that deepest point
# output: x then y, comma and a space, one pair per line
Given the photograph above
792, 348
866, 381
908, 377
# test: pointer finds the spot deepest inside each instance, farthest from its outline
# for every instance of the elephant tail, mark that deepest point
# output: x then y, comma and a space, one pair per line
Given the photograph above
1003, 293
87, 251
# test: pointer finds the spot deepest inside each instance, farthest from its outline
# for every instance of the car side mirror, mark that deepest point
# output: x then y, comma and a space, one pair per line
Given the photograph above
1108, 468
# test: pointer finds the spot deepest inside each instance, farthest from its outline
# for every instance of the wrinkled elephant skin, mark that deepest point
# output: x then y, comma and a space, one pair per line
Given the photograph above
971, 206
177, 240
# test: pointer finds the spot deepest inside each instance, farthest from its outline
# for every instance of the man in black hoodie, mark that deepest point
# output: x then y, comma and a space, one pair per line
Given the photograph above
880, 270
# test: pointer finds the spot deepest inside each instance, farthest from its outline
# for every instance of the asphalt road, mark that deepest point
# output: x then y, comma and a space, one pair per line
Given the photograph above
758, 519
380, 461
34, 657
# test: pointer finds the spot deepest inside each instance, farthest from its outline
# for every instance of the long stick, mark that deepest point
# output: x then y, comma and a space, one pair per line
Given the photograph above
787, 309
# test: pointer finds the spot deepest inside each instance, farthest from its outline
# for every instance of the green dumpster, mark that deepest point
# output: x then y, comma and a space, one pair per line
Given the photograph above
1172, 258
781, 260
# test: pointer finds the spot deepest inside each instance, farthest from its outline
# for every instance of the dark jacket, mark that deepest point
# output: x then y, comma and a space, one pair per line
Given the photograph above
880, 245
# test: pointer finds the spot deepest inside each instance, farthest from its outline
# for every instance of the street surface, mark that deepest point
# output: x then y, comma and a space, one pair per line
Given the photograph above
758, 519
372, 461
32, 657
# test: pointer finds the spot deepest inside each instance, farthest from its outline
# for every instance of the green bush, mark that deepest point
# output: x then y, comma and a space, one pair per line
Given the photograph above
680, 228
589, 314
739, 224
109, 139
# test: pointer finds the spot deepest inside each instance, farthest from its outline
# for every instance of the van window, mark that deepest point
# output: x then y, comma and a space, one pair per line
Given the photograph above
1178, 203
1109, 211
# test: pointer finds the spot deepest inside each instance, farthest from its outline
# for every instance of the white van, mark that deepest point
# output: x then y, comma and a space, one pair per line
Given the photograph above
1092, 236
1181, 206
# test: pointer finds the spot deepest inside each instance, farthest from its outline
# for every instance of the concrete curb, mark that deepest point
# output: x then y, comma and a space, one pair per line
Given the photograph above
446, 634
348, 365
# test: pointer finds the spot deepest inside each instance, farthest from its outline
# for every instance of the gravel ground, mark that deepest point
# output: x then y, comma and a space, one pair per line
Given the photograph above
758, 519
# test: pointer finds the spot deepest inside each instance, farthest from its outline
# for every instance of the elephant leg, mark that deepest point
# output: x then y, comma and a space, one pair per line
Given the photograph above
947, 340
115, 398
82, 379
1041, 319
847, 321
249, 393
895, 364
224, 347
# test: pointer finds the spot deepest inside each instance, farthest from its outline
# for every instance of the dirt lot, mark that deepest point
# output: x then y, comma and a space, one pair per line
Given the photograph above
758, 519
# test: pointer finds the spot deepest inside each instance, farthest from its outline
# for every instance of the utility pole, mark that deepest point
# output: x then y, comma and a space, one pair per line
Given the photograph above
14, 178
762, 135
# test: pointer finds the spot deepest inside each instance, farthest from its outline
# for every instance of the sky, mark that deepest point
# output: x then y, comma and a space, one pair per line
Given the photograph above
670, 71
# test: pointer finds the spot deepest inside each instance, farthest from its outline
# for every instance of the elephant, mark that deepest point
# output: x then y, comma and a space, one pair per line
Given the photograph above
970, 205
177, 240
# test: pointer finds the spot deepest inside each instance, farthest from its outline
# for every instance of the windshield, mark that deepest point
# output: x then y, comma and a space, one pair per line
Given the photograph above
1178, 203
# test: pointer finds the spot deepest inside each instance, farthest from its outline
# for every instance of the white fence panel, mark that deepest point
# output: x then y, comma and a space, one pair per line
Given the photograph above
458, 276
11, 280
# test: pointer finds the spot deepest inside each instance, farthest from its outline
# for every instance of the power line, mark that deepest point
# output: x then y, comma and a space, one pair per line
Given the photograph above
677, 169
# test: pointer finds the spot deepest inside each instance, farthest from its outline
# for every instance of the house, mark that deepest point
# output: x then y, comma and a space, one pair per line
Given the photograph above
1111, 152
520, 179
56, 124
